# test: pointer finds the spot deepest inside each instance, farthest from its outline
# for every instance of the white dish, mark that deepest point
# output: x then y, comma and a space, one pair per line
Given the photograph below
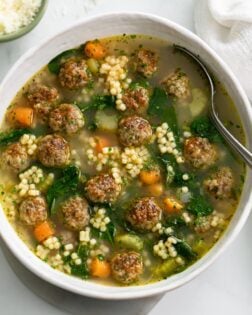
102, 26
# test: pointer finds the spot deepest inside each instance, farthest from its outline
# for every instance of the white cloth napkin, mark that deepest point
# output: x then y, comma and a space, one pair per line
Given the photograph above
226, 25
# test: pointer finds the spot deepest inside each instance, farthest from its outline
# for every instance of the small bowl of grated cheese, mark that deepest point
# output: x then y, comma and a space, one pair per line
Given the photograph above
18, 17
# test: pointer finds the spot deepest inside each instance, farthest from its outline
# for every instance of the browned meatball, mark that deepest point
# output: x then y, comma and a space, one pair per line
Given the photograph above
42, 98
177, 84
220, 184
75, 211
146, 62
199, 152
134, 131
136, 100
203, 224
144, 214
126, 267
66, 118
53, 151
33, 210
73, 74
15, 157
102, 188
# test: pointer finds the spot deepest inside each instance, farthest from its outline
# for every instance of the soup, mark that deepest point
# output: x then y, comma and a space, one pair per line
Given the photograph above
110, 167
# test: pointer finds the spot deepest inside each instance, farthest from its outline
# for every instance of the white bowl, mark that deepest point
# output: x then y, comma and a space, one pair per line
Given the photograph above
102, 26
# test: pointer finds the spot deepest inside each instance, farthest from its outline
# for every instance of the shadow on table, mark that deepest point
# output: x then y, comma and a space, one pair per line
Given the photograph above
73, 303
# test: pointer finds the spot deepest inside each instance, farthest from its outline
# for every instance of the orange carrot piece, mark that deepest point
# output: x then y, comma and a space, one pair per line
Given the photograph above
43, 231
156, 189
95, 50
172, 205
100, 268
149, 177
101, 142
22, 116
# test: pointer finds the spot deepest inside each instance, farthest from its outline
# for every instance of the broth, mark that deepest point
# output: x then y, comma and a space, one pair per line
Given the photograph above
148, 185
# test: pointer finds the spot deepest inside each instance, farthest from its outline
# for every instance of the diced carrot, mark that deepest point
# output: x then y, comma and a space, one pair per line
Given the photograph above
172, 205
22, 116
100, 268
43, 231
149, 177
95, 50
156, 189
101, 142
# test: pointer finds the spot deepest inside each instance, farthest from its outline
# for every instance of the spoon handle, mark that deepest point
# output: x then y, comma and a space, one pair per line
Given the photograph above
244, 153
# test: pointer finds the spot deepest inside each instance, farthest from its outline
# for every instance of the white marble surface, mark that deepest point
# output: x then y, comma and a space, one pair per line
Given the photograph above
225, 288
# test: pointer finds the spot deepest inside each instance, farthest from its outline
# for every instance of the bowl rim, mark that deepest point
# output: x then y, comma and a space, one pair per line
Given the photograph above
28, 28
57, 278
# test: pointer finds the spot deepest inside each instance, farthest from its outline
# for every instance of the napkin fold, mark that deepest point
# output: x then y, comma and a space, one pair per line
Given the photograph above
226, 25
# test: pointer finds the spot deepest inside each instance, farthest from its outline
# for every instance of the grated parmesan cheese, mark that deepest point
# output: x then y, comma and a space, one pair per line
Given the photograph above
15, 14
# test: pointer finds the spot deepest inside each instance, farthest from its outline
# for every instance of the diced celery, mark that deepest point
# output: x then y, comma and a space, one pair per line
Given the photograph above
93, 65
106, 120
166, 269
129, 241
200, 247
198, 103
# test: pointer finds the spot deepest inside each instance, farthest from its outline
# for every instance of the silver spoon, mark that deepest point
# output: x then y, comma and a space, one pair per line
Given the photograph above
245, 154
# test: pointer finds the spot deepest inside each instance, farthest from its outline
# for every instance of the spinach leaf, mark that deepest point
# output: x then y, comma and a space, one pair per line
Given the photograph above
139, 83
80, 271
12, 136
174, 176
63, 186
98, 102
55, 63
203, 127
199, 206
191, 182
175, 222
83, 252
161, 108
185, 250
107, 235
171, 167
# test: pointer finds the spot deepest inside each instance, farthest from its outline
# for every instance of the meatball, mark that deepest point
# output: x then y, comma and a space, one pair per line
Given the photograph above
136, 100
66, 118
73, 74
33, 210
144, 214
199, 152
203, 224
102, 188
146, 62
220, 184
126, 267
75, 211
134, 131
53, 151
15, 157
177, 84
42, 98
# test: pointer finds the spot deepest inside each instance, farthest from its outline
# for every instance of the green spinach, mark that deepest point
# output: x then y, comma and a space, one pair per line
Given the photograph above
185, 250
12, 136
107, 235
203, 127
161, 108
199, 206
66, 184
